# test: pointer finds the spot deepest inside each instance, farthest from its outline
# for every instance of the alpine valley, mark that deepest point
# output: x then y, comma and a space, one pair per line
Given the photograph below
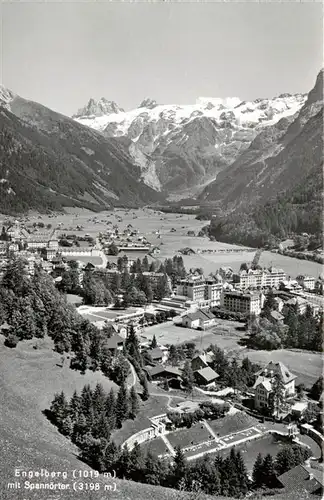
255, 166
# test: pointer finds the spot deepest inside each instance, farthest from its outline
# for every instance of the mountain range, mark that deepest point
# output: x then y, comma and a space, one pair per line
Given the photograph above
180, 149
233, 156
48, 161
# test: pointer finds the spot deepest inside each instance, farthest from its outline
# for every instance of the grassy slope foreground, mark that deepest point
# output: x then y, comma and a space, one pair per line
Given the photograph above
28, 379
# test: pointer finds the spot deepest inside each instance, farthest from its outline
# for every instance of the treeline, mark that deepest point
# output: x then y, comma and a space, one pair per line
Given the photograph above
100, 288
89, 419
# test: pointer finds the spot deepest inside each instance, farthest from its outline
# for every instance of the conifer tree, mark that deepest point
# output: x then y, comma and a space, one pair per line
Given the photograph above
67, 426
285, 460
137, 464
59, 408
257, 477
187, 376
153, 342
101, 428
122, 405
179, 468
152, 469
145, 393
99, 399
110, 456
278, 393
268, 472
74, 406
110, 405
134, 403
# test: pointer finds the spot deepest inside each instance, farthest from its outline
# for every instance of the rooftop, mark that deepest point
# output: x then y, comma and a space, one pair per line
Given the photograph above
302, 477
208, 374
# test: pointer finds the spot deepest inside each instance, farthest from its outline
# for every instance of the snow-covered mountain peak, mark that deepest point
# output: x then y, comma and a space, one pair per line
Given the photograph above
197, 139
98, 108
217, 102
148, 103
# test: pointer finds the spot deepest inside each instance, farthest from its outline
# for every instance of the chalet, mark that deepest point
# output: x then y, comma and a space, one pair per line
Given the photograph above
160, 372
303, 478
264, 381
156, 354
205, 376
201, 361
115, 343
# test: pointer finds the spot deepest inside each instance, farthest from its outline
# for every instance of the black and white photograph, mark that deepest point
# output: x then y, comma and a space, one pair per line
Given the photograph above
161, 250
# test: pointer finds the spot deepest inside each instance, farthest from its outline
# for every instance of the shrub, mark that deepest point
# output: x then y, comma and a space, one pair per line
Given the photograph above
11, 341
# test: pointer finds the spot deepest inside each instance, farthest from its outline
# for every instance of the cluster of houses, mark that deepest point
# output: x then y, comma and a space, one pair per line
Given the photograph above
129, 239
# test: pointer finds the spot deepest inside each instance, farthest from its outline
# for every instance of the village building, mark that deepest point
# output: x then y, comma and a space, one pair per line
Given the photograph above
205, 292
303, 478
243, 302
156, 354
160, 372
307, 282
259, 278
198, 319
205, 376
201, 361
43, 239
115, 343
264, 382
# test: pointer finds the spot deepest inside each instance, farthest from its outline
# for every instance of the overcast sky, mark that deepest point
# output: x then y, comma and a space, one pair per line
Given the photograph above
63, 54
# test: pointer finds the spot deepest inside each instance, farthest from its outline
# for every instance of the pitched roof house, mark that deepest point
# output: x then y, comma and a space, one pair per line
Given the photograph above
201, 361
264, 381
205, 376
303, 478
198, 319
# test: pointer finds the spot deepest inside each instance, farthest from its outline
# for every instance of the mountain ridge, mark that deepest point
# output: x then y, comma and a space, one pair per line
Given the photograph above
181, 147
48, 160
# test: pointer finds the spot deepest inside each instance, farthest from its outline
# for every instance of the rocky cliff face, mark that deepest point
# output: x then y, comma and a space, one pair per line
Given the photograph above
276, 160
181, 148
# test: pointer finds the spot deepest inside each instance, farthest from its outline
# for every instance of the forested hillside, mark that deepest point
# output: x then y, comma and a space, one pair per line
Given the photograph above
275, 188
48, 161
